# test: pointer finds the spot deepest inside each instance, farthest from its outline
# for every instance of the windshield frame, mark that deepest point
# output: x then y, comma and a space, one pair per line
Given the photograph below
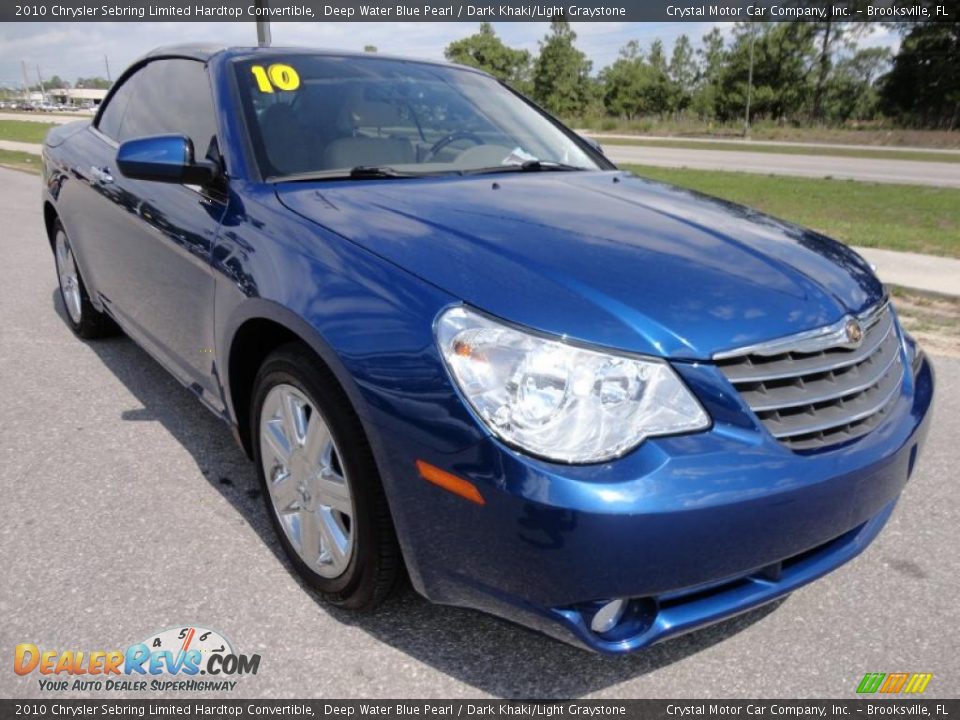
278, 54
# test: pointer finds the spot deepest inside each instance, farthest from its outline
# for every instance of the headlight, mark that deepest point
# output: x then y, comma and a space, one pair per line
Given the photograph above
560, 401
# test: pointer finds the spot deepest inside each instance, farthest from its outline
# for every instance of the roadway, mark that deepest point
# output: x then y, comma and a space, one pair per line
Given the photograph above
909, 172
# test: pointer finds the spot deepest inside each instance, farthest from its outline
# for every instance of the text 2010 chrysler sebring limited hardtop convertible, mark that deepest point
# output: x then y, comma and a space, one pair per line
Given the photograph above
457, 341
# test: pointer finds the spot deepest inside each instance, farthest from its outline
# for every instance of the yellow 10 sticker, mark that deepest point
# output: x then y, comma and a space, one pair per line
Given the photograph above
278, 75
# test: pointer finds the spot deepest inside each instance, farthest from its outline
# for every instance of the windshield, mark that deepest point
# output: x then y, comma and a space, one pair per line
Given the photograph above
327, 115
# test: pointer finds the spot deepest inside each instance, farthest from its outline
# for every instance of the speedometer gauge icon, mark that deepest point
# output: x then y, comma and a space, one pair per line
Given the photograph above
190, 637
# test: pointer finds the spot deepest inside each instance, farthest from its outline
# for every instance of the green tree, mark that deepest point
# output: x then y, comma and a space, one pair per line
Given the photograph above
851, 92
682, 72
56, 82
97, 83
783, 57
625, 83
486, 51
635, 85
561, 72
656, 57
369, 48
660, 92
923, 85
829, 33
713, 57
830, 37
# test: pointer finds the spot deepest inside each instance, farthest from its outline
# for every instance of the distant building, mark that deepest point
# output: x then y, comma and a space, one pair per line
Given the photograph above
77, 96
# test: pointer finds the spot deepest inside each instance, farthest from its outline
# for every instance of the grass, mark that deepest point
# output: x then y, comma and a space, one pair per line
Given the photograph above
894, 217
24, 130
27, 162
877, 154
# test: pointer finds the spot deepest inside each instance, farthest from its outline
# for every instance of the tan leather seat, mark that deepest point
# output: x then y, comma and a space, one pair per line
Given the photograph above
350, 152
371, 143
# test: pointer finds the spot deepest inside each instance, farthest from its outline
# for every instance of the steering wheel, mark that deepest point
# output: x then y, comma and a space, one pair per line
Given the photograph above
451, 138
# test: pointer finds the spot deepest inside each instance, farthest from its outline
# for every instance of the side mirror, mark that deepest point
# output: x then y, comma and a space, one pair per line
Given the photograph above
593, 143
164, 158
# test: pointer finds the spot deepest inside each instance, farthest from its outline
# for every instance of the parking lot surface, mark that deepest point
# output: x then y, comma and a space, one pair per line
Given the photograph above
126, 508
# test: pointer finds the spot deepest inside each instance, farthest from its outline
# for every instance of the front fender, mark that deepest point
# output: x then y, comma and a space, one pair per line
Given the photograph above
257, 308
370, 321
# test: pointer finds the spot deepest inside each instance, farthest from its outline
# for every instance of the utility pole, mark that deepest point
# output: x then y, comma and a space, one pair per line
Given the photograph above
26, 83
107, 64
746, 115
43, 92
263, 26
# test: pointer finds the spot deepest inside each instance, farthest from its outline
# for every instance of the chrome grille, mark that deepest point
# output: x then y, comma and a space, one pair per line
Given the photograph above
819, 388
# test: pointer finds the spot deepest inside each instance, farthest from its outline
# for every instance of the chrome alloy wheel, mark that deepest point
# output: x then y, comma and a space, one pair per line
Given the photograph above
69, 279
309, 488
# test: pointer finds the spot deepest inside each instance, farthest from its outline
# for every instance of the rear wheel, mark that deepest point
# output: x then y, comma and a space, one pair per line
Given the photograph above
84, 319
321, 483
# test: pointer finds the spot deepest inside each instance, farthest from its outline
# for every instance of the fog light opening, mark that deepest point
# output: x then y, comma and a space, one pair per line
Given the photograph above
607, 617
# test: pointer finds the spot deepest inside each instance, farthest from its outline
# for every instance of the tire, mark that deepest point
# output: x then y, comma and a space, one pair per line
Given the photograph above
82, 317
351, 557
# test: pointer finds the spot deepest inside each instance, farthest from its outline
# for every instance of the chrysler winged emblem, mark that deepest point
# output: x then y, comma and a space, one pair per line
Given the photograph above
854, 332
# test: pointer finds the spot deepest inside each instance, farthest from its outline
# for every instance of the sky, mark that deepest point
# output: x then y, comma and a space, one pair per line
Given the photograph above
73, 50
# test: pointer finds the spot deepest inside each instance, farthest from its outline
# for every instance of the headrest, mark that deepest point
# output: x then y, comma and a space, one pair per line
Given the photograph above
375, 114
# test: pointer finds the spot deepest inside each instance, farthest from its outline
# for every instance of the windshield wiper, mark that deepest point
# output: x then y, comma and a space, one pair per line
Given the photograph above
528, 166
375, 172
360, 172
363, 172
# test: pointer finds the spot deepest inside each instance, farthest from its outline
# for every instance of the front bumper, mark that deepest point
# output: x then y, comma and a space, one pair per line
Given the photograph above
693, 529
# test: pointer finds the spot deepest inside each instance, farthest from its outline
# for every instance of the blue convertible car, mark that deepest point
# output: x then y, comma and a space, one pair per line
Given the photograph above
459, 344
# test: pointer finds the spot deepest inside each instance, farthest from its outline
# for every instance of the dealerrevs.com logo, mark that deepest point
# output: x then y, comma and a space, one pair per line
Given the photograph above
170, 661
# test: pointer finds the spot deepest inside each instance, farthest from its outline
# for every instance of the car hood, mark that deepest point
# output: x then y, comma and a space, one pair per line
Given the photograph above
603, 257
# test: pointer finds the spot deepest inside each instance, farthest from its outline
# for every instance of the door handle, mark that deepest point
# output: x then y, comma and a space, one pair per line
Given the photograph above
101, 174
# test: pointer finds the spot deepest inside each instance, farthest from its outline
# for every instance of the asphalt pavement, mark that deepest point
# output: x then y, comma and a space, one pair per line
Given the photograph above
44, 117
908, 172
126, 509
17, 146
608, 137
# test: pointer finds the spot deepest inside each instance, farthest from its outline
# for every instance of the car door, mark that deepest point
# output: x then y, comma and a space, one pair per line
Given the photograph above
156, 238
